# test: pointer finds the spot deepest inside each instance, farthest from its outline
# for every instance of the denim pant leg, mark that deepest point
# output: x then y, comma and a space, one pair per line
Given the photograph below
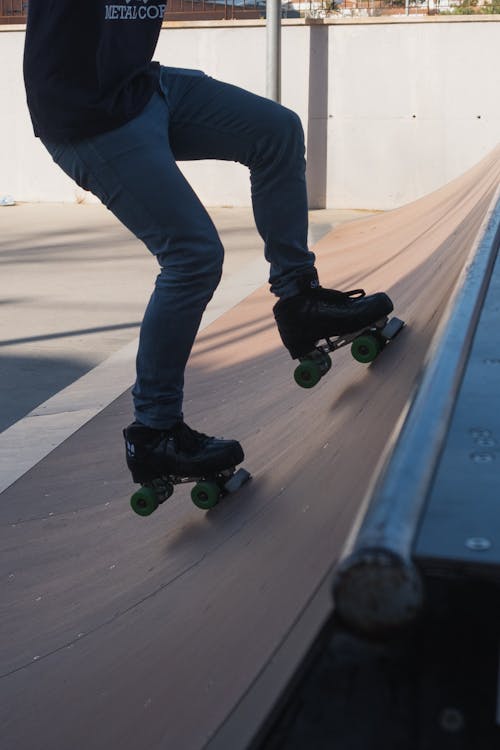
133, 171
216, 120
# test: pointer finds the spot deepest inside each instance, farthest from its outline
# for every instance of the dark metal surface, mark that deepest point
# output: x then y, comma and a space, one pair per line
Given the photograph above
433, 688
377, 586
460, 529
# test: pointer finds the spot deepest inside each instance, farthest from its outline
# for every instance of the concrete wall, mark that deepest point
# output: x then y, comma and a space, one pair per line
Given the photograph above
392, 108
412, 105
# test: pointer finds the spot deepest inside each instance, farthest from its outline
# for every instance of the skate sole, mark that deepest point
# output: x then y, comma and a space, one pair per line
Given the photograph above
207, 492
366, 345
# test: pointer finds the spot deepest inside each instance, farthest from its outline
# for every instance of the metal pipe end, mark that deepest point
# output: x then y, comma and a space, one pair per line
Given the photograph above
377, 592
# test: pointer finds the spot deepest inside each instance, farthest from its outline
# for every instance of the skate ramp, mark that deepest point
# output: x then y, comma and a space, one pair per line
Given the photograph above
147, 633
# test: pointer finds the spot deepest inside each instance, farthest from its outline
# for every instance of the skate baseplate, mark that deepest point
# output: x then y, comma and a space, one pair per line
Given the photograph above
366, 345
206, 493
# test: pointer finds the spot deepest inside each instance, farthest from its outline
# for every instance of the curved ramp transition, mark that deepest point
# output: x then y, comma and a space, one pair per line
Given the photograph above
119, 631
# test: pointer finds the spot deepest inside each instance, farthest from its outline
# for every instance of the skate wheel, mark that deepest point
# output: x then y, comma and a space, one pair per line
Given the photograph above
310, 371
205, 495
365, 348
144, 501
307, 374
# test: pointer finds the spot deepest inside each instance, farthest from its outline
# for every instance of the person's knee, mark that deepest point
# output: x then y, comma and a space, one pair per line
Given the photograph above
206, 264
196, 265
215, 263
284, 139
293, 125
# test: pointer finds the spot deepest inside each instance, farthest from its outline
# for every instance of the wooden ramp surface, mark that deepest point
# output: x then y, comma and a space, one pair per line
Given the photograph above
118, 631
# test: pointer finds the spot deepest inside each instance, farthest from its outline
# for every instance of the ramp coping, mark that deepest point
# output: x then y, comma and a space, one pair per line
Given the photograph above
377, 587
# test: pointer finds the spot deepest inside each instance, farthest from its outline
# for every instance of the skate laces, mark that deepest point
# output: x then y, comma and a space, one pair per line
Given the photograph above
333, 295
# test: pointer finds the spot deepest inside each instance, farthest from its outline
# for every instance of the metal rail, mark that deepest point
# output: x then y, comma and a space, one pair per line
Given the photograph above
377, 587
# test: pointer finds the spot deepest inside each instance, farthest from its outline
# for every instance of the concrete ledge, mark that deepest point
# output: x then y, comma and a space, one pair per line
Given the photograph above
374, 20
333, 21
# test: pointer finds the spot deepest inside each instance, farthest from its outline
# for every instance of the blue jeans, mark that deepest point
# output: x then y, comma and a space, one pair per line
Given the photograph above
133, 171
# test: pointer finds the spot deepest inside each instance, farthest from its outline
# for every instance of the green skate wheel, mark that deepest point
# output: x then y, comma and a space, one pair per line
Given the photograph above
307, 374
310, 371
144, 501
365, 348
205, 495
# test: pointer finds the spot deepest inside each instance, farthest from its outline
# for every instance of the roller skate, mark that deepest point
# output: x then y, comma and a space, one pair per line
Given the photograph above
337, 318
160, 459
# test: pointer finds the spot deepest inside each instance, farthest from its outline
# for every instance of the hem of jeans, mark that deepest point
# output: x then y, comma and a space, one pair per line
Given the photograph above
291, 287
157, 423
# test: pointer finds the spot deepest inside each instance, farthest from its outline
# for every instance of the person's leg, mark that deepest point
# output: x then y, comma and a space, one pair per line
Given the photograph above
133, 171
220, 121
215, 120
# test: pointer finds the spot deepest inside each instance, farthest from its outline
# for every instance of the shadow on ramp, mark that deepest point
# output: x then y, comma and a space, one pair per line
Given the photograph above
146, 633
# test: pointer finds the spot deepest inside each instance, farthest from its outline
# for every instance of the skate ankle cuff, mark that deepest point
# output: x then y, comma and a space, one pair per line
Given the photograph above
308, 281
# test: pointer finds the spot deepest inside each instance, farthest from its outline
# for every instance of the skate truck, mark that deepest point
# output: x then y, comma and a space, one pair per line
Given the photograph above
366, 345
207, 492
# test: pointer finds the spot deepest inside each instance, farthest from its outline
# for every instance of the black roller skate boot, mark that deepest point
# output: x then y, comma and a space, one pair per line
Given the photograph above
159, 459
316, 313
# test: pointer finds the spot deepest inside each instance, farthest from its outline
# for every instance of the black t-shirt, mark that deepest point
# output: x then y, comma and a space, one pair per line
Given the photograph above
87, 64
